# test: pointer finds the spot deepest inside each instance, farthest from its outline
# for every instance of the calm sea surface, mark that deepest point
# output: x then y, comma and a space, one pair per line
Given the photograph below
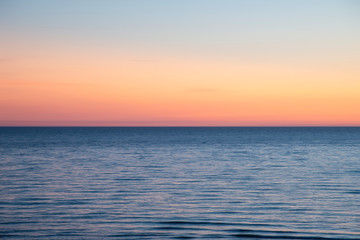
168, 183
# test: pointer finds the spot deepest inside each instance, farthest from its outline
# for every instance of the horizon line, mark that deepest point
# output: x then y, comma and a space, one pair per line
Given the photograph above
69, 123
182, 126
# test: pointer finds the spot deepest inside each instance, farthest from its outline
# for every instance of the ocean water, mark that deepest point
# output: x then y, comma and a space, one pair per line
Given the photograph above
174, 183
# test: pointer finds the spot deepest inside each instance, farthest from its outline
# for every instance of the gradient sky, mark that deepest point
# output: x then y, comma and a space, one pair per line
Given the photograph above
180, 63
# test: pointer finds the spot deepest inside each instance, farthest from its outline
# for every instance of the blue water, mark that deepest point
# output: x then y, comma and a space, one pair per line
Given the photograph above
170, 183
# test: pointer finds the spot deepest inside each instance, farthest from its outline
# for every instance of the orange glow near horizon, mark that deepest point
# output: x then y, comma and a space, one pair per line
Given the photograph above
113, 91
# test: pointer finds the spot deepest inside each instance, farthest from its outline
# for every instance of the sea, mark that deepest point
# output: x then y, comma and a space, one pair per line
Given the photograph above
180, 183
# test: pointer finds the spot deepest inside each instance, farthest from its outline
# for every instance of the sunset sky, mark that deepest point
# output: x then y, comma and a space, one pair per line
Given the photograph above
180, 63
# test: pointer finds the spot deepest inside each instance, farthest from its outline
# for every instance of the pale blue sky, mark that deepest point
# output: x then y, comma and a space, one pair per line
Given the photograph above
261, 30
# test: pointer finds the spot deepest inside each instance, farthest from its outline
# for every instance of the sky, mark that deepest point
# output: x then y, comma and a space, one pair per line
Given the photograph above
180, 63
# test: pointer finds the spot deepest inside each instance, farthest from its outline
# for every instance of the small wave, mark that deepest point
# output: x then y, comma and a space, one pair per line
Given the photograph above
353, 192
214, 223
259, 236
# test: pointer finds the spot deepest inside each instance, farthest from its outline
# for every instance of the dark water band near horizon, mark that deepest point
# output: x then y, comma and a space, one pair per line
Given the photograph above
180, 183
